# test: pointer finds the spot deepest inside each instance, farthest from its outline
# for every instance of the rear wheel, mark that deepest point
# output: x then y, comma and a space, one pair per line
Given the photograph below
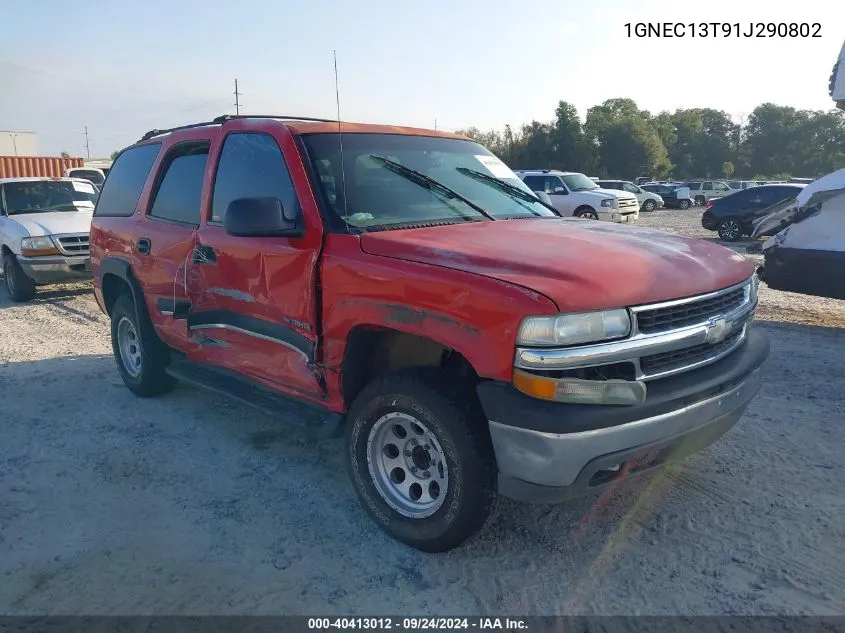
730, 229
588, 213
421, 460
649, 205
18, 285
141, 357
700, 200
684, 204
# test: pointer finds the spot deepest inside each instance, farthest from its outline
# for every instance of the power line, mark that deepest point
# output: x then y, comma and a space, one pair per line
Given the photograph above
237, 102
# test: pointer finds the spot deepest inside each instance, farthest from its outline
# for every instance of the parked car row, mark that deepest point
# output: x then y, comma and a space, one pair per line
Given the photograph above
574, 194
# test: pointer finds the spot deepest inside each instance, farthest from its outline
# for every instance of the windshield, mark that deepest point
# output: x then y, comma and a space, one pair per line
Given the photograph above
381, 189
88, 174
579, 182
41, 196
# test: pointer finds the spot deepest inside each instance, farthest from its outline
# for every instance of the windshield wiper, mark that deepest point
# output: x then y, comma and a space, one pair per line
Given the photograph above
429, 183
501, 185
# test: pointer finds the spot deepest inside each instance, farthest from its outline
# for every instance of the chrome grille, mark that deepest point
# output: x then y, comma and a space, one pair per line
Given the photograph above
628, 203
668, 362
72, 243
672, 317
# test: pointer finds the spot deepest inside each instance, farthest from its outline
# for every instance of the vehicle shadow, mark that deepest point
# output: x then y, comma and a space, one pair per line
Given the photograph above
233, 496
47, 294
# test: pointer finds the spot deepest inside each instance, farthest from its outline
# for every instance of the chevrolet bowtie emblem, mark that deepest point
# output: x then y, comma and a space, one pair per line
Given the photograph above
718, 329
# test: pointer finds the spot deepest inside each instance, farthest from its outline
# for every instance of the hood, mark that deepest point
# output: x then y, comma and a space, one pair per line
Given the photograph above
579, 264
613, 193
55, 222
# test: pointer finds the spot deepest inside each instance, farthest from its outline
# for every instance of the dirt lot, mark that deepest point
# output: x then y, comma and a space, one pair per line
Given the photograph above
189, 504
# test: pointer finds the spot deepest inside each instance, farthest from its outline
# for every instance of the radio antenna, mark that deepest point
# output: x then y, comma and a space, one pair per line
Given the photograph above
340, 139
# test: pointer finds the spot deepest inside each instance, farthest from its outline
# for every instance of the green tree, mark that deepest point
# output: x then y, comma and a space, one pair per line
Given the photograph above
727, 169
115, 153
64, 155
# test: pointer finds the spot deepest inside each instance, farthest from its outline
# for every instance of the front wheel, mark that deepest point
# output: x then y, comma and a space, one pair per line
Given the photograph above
421, 460
649, 205
587, 213
20, 287
700, 201
729, 229
684, 205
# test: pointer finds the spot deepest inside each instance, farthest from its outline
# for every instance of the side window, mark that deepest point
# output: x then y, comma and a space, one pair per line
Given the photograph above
694, 186
708, 186
123, 187
720, 186
535, 183
554, 182
630, 188
251, 166
178, 195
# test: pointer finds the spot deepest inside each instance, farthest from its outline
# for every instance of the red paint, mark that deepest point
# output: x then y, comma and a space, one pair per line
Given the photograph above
465, 286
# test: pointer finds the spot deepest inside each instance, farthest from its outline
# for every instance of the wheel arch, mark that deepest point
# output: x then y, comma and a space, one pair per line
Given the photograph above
374, 350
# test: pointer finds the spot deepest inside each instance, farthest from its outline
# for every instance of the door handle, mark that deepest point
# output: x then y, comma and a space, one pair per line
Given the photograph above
204, 255
144, 245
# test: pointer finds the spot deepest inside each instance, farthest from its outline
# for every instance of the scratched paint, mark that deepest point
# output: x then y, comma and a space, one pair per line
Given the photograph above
232, 293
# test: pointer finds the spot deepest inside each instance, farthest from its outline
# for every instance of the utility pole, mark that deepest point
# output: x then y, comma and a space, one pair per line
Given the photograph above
87, 147
237, 101
435, 124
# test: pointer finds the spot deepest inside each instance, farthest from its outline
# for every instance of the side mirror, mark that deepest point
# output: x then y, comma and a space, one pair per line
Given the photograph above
560, 190
260, 217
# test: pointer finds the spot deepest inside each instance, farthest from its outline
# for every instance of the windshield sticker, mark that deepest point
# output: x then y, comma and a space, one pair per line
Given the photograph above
83, 187
495, 166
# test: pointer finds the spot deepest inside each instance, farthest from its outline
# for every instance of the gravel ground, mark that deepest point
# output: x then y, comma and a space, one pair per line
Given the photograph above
189, 504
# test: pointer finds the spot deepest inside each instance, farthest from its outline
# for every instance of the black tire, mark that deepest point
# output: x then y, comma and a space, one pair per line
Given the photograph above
684, 204
588, 213
459, 427
730, 229
20, 287
649, 206
700, 201
149, 377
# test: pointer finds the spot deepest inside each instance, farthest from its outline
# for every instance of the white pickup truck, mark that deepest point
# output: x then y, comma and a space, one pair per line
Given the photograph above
44, 226
573, 194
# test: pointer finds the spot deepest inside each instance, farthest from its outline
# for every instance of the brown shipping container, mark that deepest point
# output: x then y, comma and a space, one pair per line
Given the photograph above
39, 166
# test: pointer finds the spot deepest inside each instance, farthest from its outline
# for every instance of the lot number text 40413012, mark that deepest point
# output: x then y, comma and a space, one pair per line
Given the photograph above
723, 29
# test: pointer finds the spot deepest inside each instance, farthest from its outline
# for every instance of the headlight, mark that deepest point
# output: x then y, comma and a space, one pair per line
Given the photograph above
608, 202
572, 329
34, 246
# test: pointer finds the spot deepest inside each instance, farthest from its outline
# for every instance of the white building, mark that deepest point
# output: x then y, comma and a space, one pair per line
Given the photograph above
14, 143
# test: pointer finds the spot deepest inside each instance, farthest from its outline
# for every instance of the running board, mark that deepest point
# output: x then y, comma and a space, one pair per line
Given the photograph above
316, 422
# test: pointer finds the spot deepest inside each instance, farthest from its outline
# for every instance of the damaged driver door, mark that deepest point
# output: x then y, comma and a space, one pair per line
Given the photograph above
254, 308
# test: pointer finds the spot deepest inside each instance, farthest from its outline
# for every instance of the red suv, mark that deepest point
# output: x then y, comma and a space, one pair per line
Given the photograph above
403, 287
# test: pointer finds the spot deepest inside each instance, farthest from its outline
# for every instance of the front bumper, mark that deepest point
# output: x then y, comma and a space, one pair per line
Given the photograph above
615, 215
548, 452
56, 268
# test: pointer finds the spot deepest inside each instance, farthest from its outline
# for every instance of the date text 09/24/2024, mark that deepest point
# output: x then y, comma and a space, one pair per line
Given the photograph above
723, 29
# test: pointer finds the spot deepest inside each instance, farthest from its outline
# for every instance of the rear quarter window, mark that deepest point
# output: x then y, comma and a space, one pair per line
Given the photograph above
127, 176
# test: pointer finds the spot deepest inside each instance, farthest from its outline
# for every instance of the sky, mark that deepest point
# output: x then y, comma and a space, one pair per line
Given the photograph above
122, 68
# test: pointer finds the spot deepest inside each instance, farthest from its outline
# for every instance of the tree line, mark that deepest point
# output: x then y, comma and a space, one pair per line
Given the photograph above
618, 140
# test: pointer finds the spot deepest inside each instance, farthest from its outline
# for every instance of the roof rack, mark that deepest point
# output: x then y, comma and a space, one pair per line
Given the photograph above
231, 117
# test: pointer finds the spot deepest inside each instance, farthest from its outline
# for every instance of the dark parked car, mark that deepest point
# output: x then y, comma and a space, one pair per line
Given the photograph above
669, 193
732, 215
